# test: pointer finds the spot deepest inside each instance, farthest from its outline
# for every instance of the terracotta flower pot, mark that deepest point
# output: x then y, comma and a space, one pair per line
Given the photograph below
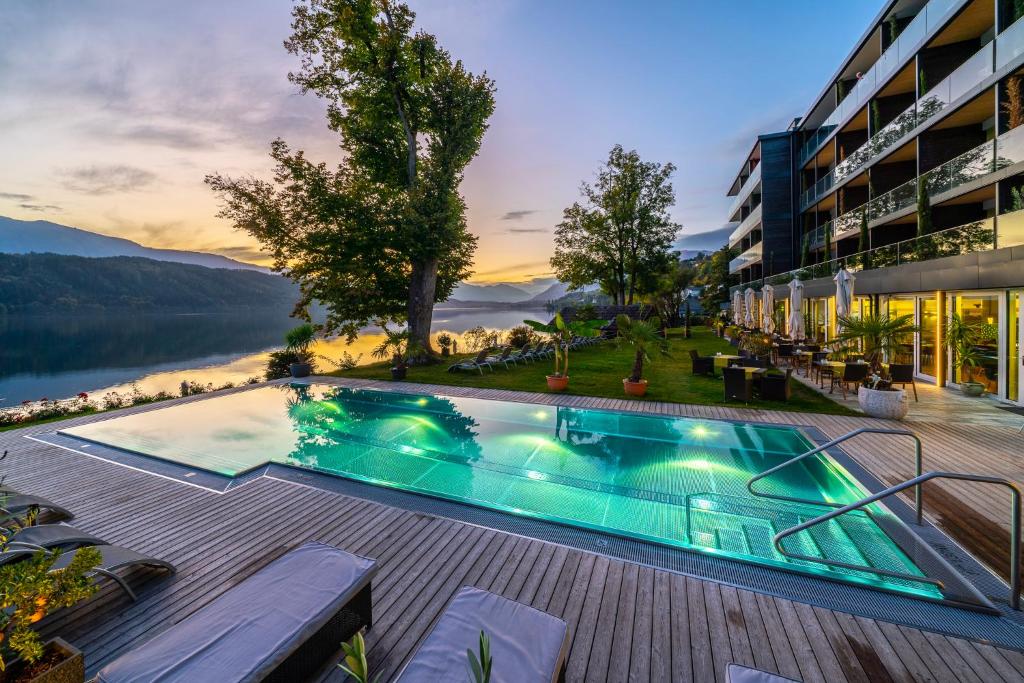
68, 665
558, 382
635, 388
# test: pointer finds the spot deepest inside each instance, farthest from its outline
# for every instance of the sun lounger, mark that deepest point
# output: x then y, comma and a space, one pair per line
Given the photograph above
527, 645
503, 357
43, 536
283, 623
14, 504
478, 363
114, 558
525, 354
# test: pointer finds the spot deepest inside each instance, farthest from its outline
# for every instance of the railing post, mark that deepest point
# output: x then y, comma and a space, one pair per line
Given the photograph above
1015, 549
918, 492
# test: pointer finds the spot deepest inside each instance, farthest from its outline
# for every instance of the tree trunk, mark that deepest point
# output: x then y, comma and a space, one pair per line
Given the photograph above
638, 367
422, 284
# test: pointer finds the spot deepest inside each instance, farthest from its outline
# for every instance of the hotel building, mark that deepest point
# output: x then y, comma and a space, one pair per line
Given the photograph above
908, 170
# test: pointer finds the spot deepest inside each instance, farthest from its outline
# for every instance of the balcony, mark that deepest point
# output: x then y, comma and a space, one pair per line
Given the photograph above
747, 258
745, 226
909, 41
748, 186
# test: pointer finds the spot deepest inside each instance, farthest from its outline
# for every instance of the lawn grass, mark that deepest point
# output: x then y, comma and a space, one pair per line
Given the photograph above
598, 371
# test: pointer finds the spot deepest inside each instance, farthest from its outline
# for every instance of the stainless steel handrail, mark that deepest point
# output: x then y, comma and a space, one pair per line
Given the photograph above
1015, 529
918, 502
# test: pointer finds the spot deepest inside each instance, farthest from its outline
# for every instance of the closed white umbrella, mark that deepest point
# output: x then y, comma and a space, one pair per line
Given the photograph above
748, 308
768, 309
737, 308
844, 295
796, 314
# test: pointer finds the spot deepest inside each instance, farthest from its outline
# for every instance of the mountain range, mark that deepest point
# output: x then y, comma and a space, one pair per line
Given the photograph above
27, 237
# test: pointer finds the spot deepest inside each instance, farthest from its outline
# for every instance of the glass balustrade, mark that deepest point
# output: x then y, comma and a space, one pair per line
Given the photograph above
748, 185
969, 166
927, 21
1010, 230
1010, 44
746, 224
749, 257
952, 87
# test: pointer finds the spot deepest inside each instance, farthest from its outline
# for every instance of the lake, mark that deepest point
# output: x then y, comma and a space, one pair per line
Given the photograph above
57, 357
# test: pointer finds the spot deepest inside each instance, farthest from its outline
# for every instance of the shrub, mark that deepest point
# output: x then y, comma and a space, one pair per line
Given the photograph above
480, 338
278, 364
521, 335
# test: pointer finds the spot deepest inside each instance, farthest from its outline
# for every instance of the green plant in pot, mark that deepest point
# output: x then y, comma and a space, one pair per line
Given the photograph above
879, 336
298, 342
562, 334
444, 341
962, 339
643, 336
399, 345
29, 590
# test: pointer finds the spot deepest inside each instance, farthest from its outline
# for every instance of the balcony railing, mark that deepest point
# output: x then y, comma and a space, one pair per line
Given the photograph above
1010, 43
746, 225
748, 186
966, 76
927, 20
747, 258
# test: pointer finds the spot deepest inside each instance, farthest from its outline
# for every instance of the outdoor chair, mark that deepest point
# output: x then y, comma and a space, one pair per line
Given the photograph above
545, 350
818, 364
283, 623
478, 363
527, 645
786, 354
524, 354
776, 387
755, 362
812, 347
114, 558
853, 375
903, 374
503, 357
702, 365
738, 386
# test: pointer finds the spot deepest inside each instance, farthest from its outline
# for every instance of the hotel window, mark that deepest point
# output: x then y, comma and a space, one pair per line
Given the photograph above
905, 348
981, 310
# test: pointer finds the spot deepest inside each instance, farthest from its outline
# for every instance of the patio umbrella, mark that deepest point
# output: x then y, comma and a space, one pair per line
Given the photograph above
748, 308
737, 308
796, 314
844, 295
768, 309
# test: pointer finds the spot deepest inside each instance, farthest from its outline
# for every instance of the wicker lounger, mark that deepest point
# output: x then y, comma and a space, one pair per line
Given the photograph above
527, 645
283, 623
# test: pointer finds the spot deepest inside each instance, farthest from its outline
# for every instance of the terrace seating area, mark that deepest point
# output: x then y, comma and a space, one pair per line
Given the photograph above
623, 621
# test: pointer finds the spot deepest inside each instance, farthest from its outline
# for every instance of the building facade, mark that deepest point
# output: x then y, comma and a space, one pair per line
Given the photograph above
908, 170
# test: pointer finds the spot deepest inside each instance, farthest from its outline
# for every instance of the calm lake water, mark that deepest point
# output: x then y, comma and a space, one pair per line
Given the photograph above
57, 357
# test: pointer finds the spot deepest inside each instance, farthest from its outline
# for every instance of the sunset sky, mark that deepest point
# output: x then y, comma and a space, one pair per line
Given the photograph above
112, 111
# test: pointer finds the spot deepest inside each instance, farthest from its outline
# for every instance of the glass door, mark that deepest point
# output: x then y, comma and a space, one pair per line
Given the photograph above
927, 347
981, 311
906, 347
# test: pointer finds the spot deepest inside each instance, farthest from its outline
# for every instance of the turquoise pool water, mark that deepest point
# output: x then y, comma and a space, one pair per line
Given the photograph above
675, 481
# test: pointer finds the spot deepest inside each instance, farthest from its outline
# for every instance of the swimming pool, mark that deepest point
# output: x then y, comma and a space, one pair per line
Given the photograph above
675, 481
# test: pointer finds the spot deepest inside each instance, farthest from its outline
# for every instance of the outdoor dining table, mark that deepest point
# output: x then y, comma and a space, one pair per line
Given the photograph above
753, 372
722, 360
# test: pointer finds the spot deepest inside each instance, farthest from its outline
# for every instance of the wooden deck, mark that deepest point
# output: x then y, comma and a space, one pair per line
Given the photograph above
628, 622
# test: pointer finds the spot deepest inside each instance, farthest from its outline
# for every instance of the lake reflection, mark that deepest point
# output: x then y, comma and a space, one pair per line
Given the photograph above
57, 357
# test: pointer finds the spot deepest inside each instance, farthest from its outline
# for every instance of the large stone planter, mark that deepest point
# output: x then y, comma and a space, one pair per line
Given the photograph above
890, 405
972, 388
68, 668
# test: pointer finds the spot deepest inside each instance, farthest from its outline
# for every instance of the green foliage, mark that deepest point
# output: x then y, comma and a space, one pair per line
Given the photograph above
586, 311
622, 231
713, 274
643, 336
480, 337
756, 343
805, 251
399, 344
864, 245
383, 235
346, 362
29, 590
444, 341
521, 335
562, 333
879, 335
1017, 196
299, 339
355, 664
480, 666
48, 283
278, 364
962, 340
667, 294
876, 117
1018, 10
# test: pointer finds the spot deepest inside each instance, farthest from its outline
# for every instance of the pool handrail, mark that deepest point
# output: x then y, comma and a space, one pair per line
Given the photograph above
916, 482
918, 465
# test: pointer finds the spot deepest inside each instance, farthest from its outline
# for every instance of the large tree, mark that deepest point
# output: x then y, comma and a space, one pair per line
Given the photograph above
621, 231
383, 236
713, 275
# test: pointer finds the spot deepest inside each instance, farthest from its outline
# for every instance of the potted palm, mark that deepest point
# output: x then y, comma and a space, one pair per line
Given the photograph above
642, 336
962, 339
30, 589
879, 336
298, 341
562, 334
400, 347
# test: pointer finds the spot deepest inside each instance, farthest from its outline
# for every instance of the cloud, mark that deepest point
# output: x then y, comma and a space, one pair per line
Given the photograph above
704, 241
40, 208
14, 196
97, 180
517, 215
521, 230
512, 268
242, 253
176, 137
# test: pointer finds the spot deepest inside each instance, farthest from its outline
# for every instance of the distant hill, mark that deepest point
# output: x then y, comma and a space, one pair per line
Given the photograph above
28, 237
49, 283
500, 293
552, 293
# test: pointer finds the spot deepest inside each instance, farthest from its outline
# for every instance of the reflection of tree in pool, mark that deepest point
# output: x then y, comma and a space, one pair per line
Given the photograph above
368, 418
